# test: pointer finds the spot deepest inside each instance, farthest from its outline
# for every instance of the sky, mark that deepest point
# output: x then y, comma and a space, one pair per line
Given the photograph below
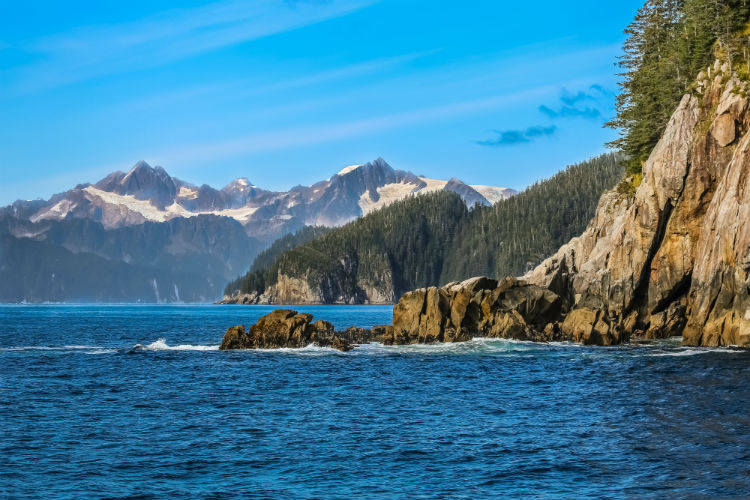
288, 92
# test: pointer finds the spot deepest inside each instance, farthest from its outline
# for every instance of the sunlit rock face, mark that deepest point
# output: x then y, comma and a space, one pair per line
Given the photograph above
674, 257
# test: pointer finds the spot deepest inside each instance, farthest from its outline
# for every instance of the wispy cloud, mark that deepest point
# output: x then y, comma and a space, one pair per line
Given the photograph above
512, 137
166, 37
244, 87
570, 112
304, 136
582, 104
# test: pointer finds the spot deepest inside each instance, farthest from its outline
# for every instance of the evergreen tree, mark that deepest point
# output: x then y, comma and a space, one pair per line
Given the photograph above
667, 44
433, 238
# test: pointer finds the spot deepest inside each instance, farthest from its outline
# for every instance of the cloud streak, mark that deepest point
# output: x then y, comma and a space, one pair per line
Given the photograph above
514, 137
570, 112
305, 136
579, 105
166, 37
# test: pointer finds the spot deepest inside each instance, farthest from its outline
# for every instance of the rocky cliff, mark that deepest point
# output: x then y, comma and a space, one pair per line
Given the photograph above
672, 256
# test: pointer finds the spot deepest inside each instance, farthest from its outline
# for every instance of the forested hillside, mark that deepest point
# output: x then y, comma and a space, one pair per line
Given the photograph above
432, 239
254, 279
514, 235
668, 44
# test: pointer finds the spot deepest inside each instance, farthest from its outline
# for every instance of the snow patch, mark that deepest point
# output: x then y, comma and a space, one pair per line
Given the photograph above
432, 185
58, 211
152, 213
350, 168
388, 194
493, 194
187, 193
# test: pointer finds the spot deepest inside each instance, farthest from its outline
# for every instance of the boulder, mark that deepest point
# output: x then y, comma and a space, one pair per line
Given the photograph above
280, 328
234, 338
407, 313
724, 129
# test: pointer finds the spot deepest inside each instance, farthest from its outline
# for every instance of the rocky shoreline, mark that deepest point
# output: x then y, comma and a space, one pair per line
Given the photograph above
665, 255
457, 312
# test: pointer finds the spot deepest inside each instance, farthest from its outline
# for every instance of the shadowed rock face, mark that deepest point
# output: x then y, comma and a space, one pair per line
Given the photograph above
674, 257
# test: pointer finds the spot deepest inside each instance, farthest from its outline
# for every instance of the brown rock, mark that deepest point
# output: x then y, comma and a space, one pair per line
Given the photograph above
279, 328
433, 320
235, 338
675, 256
407, 312
724, 129
341, 344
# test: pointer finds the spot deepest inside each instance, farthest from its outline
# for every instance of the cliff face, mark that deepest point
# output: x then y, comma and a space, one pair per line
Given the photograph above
335, 288
672, 258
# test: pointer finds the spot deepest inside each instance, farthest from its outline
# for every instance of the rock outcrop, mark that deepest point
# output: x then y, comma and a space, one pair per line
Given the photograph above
297, 290
280, 328
666, 254
286, 328
479, 306
672, 258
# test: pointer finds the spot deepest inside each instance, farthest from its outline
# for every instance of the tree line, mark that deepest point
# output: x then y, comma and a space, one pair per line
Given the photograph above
668, 43
433, 238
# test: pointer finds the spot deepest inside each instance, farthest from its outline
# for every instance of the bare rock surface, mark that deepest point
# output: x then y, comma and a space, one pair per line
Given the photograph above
669, 257
674, 257
284, 328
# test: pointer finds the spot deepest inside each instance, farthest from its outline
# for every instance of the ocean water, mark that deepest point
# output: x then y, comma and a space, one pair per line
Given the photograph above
85, 415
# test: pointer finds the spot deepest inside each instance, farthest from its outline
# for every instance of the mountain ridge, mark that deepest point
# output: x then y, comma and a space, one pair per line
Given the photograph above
147, 193
153, 237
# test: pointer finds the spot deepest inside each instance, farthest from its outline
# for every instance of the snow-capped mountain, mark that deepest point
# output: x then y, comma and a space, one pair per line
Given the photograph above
148, 193
144, 235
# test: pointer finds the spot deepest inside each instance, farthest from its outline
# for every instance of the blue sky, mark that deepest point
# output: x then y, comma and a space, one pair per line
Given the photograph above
288, 92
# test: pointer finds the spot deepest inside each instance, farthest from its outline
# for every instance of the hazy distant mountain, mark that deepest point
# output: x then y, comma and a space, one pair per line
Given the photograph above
148, 193
144, 235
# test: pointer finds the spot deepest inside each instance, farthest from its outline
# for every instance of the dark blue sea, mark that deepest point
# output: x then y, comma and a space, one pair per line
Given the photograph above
83, 415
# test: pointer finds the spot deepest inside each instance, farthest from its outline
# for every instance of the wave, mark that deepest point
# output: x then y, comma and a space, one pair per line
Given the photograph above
310, 350
161, 345
692, 351
83, 349
477, 345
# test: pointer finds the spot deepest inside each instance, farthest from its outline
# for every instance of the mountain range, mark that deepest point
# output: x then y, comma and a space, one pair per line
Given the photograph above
144, 235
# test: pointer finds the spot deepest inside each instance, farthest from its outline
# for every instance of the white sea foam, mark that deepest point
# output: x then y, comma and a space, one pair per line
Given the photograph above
308, 350
85, 349
692, 351
161, 345
477, 345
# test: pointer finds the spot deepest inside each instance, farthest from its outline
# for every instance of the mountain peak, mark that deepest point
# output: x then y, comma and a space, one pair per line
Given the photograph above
348, 169
240, 183
140, 164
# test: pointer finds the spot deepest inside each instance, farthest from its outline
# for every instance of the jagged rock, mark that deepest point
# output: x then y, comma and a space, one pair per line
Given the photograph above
674, 258
341, 344
479, 306
408, 311
235, 338
280, 328
433, 320
589, 327
357, 335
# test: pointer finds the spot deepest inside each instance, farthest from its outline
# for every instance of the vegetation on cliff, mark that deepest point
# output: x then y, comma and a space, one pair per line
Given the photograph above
431, 239
668, 43
514, 235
